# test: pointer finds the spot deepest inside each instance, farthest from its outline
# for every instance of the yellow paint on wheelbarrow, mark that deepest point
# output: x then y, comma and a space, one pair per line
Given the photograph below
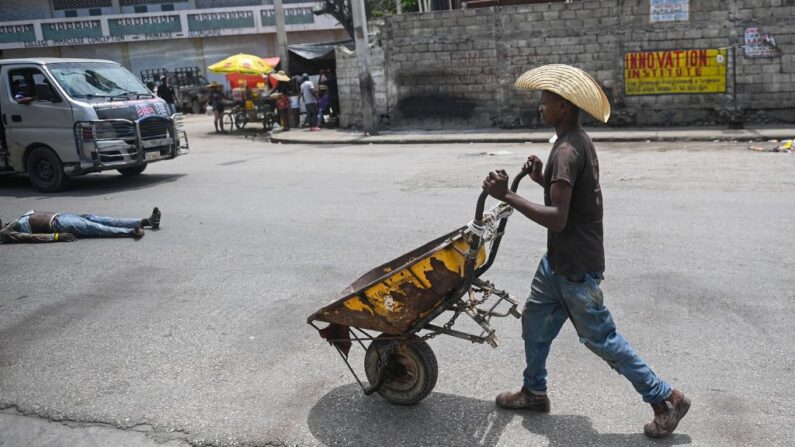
391, 298
356, 305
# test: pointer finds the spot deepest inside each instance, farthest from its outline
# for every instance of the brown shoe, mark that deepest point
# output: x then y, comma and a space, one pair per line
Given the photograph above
523, 400
667, 415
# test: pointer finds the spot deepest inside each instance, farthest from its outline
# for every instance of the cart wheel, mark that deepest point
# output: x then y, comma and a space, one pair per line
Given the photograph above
240, 120
228, 121
411, 369
269, 121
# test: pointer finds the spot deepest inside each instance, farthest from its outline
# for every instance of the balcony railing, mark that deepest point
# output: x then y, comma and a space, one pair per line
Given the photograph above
180, 24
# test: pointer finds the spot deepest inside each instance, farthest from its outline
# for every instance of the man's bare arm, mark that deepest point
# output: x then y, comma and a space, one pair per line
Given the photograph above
554, 217
9, 236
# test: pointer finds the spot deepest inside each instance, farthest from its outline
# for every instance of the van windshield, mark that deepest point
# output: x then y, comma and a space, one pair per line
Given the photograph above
97, 79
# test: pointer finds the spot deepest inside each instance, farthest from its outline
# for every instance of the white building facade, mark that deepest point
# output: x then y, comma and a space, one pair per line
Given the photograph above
152, 34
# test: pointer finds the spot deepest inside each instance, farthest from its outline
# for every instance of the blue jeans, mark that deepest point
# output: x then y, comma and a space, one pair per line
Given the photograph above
89, 225
544, 314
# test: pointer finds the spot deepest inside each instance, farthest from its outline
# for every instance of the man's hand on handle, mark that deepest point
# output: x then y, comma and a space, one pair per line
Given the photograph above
496, 184
535, 169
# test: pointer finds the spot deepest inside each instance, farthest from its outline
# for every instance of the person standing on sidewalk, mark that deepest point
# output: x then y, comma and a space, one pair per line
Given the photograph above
567, 281
310, 102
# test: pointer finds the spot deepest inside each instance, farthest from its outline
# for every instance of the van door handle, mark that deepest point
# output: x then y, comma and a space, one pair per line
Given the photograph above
16, 118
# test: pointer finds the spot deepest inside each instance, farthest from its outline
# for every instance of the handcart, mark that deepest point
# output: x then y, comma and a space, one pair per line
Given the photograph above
257, 111
389, 311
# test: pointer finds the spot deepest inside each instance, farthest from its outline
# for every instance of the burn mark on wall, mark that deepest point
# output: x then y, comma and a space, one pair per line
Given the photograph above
436, 105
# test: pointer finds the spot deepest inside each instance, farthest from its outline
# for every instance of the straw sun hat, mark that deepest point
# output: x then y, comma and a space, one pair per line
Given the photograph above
280, 76
571, 83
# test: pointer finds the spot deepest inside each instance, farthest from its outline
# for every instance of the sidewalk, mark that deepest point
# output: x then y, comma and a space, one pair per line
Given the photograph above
333, 136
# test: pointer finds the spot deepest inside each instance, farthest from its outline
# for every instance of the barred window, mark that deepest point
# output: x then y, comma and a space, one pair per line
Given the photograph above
201, 4
148, 2
60, 5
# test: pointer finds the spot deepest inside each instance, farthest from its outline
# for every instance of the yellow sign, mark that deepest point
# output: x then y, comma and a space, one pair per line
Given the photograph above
675, 71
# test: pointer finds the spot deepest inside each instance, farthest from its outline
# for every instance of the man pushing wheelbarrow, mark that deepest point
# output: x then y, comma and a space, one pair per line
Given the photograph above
566, 284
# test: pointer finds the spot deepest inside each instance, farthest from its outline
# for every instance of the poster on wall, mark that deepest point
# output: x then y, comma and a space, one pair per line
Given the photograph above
758, 44
675, 72
669, 10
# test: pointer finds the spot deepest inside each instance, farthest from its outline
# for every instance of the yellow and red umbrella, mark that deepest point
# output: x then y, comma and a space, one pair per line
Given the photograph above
243, 64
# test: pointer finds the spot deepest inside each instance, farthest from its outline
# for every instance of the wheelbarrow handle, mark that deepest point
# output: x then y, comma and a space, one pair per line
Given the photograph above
495, 245
470, 273
484, 195
515, 185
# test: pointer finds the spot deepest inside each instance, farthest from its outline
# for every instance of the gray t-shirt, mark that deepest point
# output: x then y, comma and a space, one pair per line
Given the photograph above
307, 93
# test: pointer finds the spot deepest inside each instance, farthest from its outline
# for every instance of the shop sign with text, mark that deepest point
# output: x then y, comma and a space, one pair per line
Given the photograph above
669, 10
675, 72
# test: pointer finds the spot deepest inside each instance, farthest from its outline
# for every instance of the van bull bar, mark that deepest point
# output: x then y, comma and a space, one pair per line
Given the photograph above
121, 143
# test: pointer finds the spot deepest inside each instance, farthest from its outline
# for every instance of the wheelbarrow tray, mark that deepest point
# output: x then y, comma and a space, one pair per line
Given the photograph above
393, 297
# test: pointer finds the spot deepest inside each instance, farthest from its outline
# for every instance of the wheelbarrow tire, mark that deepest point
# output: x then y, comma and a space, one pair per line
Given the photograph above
412, 369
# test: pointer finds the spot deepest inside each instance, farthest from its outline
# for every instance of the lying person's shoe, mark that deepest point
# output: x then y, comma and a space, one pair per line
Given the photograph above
153, 220
524, 400
137, 232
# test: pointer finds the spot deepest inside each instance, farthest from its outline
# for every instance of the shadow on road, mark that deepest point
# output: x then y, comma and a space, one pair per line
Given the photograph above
89, 185
345, 417
576, 430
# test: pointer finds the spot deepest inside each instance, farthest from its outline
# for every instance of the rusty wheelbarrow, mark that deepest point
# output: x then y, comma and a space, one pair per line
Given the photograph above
400, 299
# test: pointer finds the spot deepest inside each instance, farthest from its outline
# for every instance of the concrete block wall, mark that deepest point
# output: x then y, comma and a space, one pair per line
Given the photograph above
457, 68
348, 86
443, 68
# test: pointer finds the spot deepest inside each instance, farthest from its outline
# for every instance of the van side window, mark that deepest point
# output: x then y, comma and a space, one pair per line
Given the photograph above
24, 82
20, 83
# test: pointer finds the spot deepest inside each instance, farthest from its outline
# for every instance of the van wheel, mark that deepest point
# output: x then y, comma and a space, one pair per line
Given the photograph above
194, 107
45, 170
135, 170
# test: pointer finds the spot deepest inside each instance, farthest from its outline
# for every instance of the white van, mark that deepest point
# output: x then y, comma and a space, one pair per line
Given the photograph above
68, 117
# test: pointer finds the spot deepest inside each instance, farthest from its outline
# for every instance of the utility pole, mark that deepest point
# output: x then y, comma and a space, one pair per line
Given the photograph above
281, 35
363, 59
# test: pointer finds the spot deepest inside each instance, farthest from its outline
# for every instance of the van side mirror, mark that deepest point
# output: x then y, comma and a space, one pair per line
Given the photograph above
44, 93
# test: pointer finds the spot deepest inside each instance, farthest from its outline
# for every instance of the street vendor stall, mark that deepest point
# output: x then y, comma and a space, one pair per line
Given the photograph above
249, 104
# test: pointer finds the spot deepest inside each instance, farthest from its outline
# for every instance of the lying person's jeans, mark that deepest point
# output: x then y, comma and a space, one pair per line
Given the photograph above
89, 225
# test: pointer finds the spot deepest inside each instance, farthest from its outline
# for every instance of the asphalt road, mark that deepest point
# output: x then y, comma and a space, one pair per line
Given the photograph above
197, 333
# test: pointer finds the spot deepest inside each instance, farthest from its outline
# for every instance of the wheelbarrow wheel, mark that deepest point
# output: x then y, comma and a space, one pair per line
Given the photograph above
410, 368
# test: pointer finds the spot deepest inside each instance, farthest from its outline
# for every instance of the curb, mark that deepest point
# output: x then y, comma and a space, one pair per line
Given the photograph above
531, 139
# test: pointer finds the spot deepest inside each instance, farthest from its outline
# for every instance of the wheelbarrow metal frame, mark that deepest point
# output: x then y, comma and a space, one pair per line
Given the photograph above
450, 302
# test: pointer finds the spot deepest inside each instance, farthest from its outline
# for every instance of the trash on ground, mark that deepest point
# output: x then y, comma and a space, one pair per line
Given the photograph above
498, 153
785, 146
